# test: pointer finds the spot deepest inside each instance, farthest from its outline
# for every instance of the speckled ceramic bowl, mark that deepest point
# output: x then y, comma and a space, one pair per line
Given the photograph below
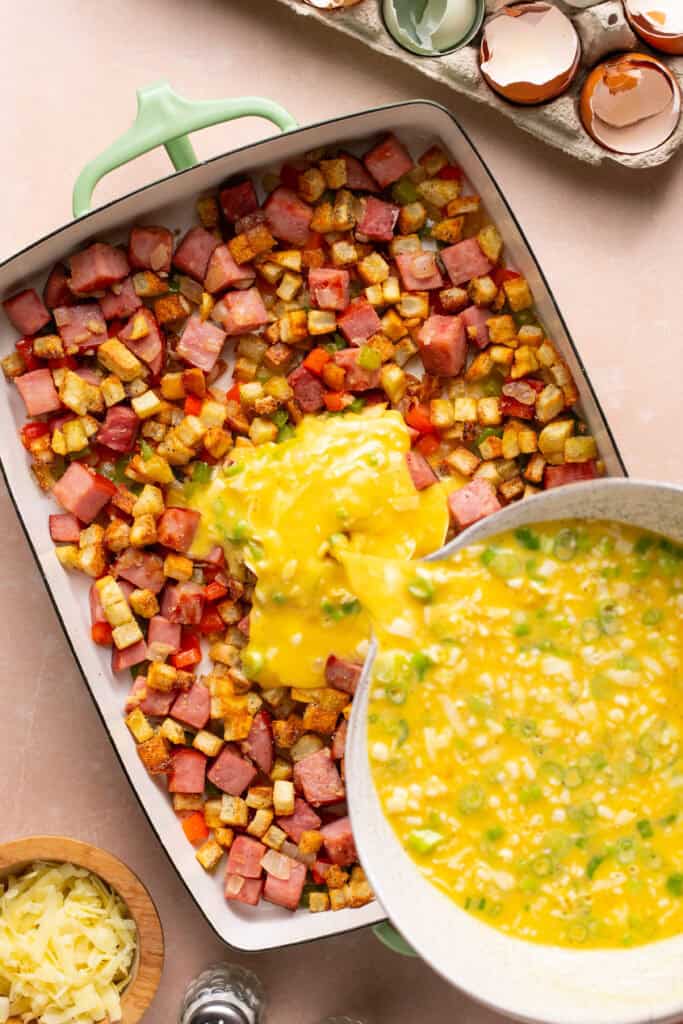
525, 980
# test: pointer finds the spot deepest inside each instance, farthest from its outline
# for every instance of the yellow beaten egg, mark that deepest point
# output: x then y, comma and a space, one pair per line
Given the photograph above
340, 482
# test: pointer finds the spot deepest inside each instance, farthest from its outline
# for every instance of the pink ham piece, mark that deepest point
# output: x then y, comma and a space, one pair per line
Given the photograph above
244, 890
176, 528
419, 271
231, 773
57, 291
465, 260
200, 343
223, 272
357, 379
96, 609
377, 220
259, 743
97, 267
141, 568
240, 312
358, 322
339, 741
120, 429
286, 893
319, 779
304, 819
188, 771
329, 288
308, 391
238, 201
150, 248
287, 216
151, 702
149, 347
342, 674
129, 656
26, 311
65, 529
388, 161
183, 603
473, 502
245, 857
163, 636
194, 252
120, 303
193, 706
82, 493
443, 346
339, 843
356, 175
422, 474
477, 318
570, 473
38, 392
81, 326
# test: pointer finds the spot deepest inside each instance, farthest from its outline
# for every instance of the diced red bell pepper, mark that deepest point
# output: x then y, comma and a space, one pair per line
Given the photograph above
214, 591
501, 274
30, 432
316, 360
63, 362
418, 418
193, 405
451, 172
101, 633
195, 828
427, 445
289, 176
190, 651
210, 622
335, 401
25, 349
233, 395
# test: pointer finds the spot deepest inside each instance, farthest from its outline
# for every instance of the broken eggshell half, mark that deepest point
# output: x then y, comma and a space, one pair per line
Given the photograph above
529, 52
658, 22
631, 103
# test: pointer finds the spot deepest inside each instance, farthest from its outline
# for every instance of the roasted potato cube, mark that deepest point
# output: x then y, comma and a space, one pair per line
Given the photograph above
48, 346
112, 390
144, 603
580, 449
289, 286
117, 535
441, 413
274, 837
491, 447
404, 351
527, 440
490, 242
155, 754
150, 502
234, 811
188, 802
311, 841
172, 387
148, 285
551, 440
512, 489
126, 635
118, 359
283, 797
320, 720
143, 531
480, 367
322, 220
209, 854
502, 330
224, 837
534, 469
405, 243
530, 334
391, 291
394, 382
262, 430
13, 365
414, 305
139, 726
482, 290
438, 192
453, 299
293, 326
260, 797
463, 461
465, 409
92, 560
524, 363
433, 160
344, 253
207, 742
217, 442
171, 308
146, 405
161, 677
501, 355
343, 215
518, 294
337, 899
463, 204
173, 731
334, 172
412, 217
281, 769
549, 403
312, 184
154, 469
260, 823
449, 230
318, 902
374, 269
75, 438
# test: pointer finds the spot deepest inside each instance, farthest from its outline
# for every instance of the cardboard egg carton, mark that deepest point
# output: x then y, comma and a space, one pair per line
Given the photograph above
602, 28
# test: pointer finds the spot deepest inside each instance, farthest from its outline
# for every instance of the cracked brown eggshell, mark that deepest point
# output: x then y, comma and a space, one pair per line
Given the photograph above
658, 22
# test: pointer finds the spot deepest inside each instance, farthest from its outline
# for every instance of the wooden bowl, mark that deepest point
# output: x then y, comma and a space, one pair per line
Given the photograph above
149, 956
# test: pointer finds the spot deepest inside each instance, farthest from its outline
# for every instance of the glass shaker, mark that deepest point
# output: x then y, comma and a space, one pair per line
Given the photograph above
224, 994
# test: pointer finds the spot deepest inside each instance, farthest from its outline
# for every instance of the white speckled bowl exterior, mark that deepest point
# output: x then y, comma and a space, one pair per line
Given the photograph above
525, 980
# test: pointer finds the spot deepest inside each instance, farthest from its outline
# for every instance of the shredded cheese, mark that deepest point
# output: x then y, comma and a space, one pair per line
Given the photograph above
67, 946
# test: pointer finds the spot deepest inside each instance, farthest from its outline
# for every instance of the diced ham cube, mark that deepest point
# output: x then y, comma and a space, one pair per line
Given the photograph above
357, 379
223, 272
443, 345
26, 311
82, 493
342, 674
64, 528
339, 843
240, 312
286, 893
154, 702
475, 317
287, 216
421, 472
238, 200
38, 392
513, 407
183, 603
319, 779
388, 161
308, 391
570, 473
81, 326
200, 343
97, 267
356, 175
465, 260
329, 288
193, 706
194, 252
244, 890
339, 741
245, 857
259, 743
232, 773
121, 303
419, 271
56, 291
143, 569
377, 220
129, 656
188, 771
303, 820
96, 609
120, 429
177, 527
473, 502
163, 635
358, 322
150, 346
150, 248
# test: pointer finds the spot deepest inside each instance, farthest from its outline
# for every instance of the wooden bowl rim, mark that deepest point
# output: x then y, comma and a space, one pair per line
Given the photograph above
149, 958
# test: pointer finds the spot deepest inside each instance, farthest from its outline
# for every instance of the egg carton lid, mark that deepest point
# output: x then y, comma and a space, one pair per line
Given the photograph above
556, 123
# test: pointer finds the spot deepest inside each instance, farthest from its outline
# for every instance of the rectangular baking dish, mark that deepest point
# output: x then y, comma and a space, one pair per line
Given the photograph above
163, 119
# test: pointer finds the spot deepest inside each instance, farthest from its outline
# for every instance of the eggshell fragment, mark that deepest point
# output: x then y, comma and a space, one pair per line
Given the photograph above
529, 52
630, 103
331, 5
658, 22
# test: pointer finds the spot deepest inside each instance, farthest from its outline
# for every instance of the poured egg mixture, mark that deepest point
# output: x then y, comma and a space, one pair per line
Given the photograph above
338, 481
525, 728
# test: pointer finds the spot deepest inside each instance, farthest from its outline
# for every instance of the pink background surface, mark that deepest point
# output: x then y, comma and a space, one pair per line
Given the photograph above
610, 244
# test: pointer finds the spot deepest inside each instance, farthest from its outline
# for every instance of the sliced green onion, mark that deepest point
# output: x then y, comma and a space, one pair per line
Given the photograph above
233, 469
146, 450
528, 538
543, 865
652, 616
674, 885
608, 617
590, 631
565, 545
424, 840
420, 664
404, 192
369, 358
594, 863
645, 828
422, 588
471, 798
573, 777
252, 663
201, 473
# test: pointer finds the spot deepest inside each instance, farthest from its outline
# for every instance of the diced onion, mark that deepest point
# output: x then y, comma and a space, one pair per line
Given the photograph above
233, 885
277, 865
293, 851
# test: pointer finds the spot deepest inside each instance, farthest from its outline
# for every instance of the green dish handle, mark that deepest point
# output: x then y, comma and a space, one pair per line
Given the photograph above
165, 119
389, 937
